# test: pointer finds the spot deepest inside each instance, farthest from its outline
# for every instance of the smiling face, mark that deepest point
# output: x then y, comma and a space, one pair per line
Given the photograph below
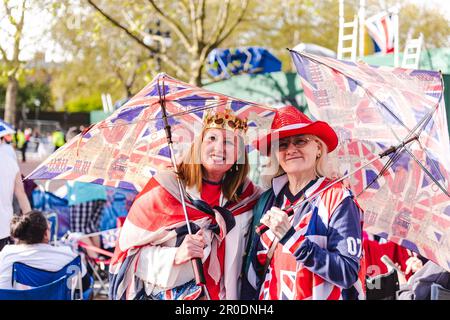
219, 151
298, 154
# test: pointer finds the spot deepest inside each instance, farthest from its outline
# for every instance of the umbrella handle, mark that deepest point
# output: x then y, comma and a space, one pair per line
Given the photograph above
261, 228
198, 271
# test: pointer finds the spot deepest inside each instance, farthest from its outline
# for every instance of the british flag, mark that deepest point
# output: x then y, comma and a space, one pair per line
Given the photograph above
382, 29
406, 194
126, 149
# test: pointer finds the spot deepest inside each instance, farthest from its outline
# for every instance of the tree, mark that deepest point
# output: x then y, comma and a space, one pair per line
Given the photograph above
96, 57
203, 28
431, 22
16, 17
281, 24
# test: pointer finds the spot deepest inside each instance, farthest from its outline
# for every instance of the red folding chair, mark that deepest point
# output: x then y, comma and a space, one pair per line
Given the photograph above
97, 265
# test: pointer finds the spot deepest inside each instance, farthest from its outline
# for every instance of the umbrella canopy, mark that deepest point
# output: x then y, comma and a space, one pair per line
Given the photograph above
5, 128
126, 149
405, 196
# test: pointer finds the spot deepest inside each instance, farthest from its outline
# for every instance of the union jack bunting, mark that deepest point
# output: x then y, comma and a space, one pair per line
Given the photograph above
372, 108
128, 147
382, 29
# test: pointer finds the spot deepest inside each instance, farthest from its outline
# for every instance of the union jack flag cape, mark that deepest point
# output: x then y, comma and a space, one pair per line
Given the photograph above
143, 266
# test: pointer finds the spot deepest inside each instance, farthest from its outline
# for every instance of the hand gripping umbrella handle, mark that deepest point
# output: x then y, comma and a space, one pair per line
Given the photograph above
261, 228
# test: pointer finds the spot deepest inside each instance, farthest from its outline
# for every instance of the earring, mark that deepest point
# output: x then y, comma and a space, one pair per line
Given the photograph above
236, 167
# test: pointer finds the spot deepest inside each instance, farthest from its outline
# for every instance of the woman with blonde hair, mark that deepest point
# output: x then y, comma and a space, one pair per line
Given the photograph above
315, 252
154, 251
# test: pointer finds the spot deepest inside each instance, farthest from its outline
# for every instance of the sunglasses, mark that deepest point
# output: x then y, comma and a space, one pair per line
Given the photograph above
298, 142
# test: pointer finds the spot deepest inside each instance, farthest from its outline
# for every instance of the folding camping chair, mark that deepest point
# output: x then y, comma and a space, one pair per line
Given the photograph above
438, 292
25, 275
99, 266
56, 290
53, 220
55, 208
383, 286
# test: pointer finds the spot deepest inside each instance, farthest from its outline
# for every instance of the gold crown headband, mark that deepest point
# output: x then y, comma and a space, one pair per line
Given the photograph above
224, 120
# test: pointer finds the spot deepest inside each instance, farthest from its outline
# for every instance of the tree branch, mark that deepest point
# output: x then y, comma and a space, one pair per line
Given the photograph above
7, 9
18, 35
201, 20
219, 39
120, 26
163, 54
219, 27
4, 55
172, 24
174, 66
237, 22
193, 18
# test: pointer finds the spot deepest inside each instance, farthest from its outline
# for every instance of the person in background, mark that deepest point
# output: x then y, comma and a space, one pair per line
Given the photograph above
6, 146
10, 185
418, 286
58, 138
32, 233
86, 202
72, 132
21, 143
36, 138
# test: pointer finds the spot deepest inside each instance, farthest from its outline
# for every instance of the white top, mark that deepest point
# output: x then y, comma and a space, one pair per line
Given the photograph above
41, 256
8, 172
8, 149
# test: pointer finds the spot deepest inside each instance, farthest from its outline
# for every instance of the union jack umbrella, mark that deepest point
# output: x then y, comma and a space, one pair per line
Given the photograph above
148, 133
126, 149
404, 190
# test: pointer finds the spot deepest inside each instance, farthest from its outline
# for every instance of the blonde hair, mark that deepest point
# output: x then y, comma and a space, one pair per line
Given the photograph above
192, 172
321, 168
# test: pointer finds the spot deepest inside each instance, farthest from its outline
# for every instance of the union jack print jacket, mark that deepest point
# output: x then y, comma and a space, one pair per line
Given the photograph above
319, 258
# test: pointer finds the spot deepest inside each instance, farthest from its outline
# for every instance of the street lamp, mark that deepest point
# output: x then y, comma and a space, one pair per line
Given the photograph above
37, 104
154, 36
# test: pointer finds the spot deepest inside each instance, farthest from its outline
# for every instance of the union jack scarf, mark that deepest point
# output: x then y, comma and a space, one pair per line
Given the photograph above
142, 265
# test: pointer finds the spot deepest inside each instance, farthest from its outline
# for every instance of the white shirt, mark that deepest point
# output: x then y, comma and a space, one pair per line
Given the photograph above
8, 172
8, 149
40, 255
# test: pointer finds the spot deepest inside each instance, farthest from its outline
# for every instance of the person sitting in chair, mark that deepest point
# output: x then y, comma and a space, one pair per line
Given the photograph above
32, 234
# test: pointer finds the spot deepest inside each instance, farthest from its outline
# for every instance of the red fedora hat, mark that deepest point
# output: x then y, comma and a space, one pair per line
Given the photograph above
289, 121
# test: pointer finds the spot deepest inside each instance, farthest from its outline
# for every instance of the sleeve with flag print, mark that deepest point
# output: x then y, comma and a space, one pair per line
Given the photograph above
338, 261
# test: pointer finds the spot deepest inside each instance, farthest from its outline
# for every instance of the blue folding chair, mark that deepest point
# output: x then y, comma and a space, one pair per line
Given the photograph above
52, 218
438, 292
30, 276
56, 290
